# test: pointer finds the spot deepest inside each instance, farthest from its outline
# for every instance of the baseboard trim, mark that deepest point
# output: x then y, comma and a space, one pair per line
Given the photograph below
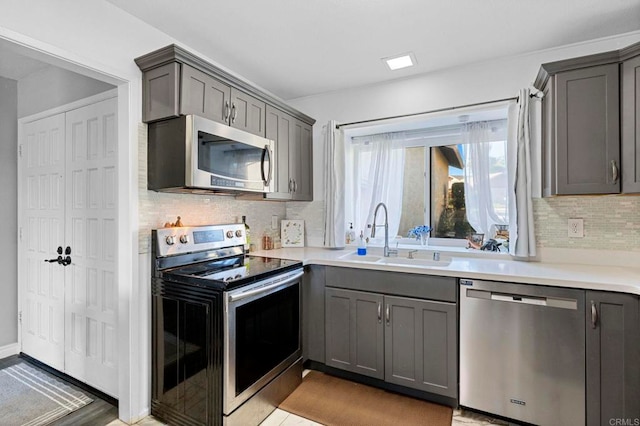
9, 350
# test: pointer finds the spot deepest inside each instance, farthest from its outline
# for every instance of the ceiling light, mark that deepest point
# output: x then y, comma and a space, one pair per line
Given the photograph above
401, 61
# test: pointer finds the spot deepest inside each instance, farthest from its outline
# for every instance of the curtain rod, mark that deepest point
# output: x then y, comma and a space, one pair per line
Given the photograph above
515, 98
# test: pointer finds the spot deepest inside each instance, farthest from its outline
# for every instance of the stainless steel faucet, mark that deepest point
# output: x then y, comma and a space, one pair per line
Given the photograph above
387, 252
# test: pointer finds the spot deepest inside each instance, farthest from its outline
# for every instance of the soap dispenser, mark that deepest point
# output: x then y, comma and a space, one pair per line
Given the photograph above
350, 235
362, 245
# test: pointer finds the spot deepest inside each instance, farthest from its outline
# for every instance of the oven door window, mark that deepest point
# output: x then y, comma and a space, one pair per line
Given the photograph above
229, 159
267, 332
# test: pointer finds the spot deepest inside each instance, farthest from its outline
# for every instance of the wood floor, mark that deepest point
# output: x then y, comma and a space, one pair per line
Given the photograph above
102, 411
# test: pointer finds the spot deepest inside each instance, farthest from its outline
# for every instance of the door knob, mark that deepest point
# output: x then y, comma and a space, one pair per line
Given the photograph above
59, 250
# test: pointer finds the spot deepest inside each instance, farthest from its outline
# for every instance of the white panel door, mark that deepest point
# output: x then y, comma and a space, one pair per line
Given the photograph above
42, 232
90, 231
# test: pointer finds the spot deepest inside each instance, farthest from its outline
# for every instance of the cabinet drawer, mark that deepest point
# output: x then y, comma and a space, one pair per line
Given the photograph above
393, 283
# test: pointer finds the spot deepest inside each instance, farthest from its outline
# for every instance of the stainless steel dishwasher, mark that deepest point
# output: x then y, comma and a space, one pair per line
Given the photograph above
522, 351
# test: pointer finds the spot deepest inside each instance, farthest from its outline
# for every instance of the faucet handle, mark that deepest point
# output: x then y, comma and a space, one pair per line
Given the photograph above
393, 252
410, 254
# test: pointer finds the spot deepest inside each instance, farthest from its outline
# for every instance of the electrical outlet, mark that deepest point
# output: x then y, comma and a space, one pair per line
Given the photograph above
576, 228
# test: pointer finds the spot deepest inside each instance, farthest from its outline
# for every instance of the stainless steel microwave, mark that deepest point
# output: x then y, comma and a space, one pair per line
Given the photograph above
193, 154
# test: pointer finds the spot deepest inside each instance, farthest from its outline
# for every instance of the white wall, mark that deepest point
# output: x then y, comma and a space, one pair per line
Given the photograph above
103, 41
481, 82
51, 87
8, 211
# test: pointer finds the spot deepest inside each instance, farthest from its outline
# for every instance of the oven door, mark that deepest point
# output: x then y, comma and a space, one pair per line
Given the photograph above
226, 158
262, 335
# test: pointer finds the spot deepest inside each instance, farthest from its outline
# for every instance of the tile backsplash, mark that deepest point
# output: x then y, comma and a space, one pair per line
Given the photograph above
156, 208
611, 222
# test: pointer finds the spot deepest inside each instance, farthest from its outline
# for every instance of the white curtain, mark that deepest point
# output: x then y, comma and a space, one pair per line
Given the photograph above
334, 167
376, 176
522, 242
484, 188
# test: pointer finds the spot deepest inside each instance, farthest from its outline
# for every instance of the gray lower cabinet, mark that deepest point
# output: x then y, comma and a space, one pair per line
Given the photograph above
613, 358
404, 341
420, 345
354, 332
294, 156
313, 314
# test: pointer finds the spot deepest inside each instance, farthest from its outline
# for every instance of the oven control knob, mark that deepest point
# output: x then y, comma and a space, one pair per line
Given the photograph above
184, 238
171, 240
229, 234
238, 233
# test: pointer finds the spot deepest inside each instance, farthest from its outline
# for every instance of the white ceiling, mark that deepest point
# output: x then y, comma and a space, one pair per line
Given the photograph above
296, 48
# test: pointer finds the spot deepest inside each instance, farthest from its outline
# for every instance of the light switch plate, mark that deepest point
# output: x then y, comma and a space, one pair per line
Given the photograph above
576, 228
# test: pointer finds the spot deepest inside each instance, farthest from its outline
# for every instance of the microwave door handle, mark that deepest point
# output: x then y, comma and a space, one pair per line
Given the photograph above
266, 153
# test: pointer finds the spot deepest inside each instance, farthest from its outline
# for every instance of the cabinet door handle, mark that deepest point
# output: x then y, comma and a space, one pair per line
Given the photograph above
234, 112
387, 314
594, 315
227, 111
295, 186
379, 312
614, 171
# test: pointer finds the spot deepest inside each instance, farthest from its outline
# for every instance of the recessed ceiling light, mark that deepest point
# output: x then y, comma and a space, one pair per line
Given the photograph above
400, 61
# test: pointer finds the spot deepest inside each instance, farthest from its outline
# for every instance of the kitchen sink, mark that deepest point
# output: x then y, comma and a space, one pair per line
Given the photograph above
366, 258
444, 261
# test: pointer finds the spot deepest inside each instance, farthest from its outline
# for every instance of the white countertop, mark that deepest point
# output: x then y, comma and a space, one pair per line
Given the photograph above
486, 266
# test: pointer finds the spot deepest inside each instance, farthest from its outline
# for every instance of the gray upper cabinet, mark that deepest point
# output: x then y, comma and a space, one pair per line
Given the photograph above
587, 141
354, 332
294, 156
630, 124
160, 92
176, 82
247, 113
205, 96
301, 151
279, 128
590, 124
587, 131
613, 351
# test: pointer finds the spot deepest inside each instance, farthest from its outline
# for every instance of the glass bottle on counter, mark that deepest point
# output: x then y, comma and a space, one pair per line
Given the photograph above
247, 234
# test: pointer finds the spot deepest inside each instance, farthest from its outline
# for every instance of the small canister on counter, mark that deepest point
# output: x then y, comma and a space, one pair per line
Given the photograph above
267, 241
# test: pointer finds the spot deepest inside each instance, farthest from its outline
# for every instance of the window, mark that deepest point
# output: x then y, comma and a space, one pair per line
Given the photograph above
452, 177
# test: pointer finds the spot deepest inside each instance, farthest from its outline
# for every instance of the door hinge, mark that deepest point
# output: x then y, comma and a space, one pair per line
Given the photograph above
20, 150
20, 317
20, 234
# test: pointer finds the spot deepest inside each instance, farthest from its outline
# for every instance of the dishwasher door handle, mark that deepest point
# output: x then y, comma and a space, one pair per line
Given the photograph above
519, 299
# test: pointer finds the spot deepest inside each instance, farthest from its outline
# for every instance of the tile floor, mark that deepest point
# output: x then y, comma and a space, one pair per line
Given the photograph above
283, 418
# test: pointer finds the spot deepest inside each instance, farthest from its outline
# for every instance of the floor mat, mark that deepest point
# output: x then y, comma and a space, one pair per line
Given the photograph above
32, 397
332, 401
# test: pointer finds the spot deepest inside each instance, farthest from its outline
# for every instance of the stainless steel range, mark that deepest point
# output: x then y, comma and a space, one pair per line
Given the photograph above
226, 336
